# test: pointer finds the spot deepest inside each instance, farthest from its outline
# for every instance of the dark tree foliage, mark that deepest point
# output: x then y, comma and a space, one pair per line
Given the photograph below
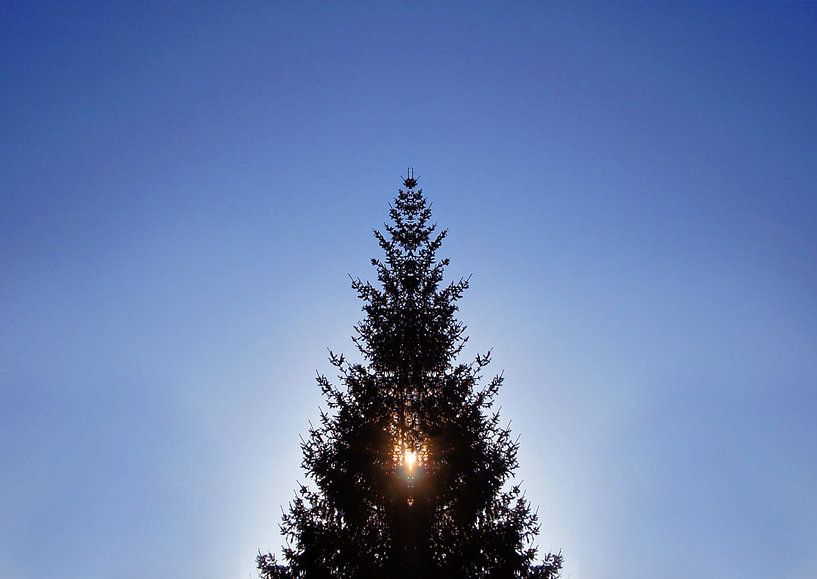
410, 464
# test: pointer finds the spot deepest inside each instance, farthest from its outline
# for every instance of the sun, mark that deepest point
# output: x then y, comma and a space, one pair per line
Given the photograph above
409, 458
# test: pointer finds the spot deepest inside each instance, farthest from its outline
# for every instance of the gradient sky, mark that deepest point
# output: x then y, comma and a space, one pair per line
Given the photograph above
184, 189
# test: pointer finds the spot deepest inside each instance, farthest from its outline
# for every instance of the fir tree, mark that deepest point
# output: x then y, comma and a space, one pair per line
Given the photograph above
411, 466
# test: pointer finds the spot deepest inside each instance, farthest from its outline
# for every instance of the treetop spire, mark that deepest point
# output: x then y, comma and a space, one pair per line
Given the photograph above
409, 181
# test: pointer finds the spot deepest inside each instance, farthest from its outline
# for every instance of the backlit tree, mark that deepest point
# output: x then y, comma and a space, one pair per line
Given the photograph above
410, 467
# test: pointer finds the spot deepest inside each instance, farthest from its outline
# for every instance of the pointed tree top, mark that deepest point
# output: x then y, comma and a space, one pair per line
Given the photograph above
409, 181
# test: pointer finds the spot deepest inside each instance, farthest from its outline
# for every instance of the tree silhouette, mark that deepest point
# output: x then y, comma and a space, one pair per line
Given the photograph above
411, 466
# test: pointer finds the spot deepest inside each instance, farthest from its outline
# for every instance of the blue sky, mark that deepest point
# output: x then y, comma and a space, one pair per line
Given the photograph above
184, 189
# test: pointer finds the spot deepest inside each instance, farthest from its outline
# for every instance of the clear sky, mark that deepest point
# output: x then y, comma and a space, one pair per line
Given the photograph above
184, 189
